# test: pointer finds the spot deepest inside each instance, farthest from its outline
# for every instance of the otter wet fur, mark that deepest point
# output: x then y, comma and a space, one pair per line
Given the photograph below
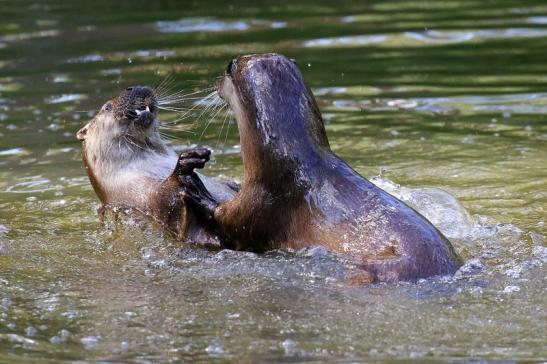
296, 192
131, 167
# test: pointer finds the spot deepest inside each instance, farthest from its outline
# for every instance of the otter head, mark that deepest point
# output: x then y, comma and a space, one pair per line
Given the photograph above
125, 128
277, 116
132, 114
123, 131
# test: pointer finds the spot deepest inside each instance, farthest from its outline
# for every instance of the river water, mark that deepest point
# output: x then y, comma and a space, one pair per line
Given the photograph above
442, 103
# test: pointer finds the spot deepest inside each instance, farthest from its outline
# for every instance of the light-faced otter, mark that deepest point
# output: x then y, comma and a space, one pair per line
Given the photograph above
296, 192
130, 166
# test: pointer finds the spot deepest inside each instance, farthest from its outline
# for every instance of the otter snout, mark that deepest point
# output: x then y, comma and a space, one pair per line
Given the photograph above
137, 104
229, 68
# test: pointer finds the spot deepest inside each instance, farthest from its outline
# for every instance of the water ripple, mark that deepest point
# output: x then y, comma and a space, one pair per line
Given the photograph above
13, 151
31, 185
537, 20
64, 98
353, 41
427, 37
87, 58
193, 25
30, 35
211, 25
531, 103
432, 36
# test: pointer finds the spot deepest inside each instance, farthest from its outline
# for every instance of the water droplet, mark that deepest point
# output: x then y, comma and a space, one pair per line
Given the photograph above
89, 342
289, 346
214, 350
511, 289
6, 302
30, 331
470, 268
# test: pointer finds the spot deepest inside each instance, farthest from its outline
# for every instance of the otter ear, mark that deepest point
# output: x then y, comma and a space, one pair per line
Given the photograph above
81, 134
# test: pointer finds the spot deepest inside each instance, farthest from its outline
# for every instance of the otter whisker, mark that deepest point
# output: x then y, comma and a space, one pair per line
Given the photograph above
214, 107
185, 111
168, 101
210, 101
165, 81
168, 106
178, 100
229, 113
207, 100
182, 131
128, 145
172, 108
181, 92
165, 86
182, 116
218, 108
206, 126
178, 97
173, 122
135, 144
168, 136
216, 104
222, 127
182, 95
209, 106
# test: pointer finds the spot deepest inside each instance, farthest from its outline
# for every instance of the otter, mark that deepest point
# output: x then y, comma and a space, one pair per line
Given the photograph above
296, 192
132, 168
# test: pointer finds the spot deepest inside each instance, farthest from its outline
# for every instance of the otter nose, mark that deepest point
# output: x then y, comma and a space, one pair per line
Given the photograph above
139, 91
230, 67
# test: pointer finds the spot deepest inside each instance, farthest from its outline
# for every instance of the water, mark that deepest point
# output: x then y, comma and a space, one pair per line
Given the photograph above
443, 103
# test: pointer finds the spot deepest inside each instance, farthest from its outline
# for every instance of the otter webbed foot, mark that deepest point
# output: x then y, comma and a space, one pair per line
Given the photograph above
194, 192
196, 195
192, 159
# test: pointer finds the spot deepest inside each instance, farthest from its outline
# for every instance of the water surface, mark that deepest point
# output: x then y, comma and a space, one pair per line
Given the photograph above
442, 104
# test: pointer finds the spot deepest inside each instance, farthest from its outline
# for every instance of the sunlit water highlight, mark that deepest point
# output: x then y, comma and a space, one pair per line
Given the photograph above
442, 104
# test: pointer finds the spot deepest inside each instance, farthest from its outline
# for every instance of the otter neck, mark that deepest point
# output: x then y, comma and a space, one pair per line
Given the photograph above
286, 150
108, 162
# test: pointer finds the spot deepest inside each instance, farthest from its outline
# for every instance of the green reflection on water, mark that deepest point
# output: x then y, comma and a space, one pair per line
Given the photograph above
428, 94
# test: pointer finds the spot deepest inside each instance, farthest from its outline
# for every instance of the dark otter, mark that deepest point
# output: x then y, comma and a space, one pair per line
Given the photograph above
130, 166
296, 192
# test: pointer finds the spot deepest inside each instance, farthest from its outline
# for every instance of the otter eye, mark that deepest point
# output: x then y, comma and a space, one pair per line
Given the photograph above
107, 106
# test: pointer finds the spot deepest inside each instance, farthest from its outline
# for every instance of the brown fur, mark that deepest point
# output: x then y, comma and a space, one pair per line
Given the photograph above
296, 192
130, 166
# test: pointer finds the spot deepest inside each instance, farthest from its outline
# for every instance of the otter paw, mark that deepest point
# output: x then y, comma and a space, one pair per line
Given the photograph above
192, 159
196, 195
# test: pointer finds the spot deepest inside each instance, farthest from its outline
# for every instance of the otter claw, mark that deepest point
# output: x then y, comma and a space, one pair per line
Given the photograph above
192, 159
196, 195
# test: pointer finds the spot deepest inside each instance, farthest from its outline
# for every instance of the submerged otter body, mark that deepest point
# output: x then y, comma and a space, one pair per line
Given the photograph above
296, 192
130, 166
